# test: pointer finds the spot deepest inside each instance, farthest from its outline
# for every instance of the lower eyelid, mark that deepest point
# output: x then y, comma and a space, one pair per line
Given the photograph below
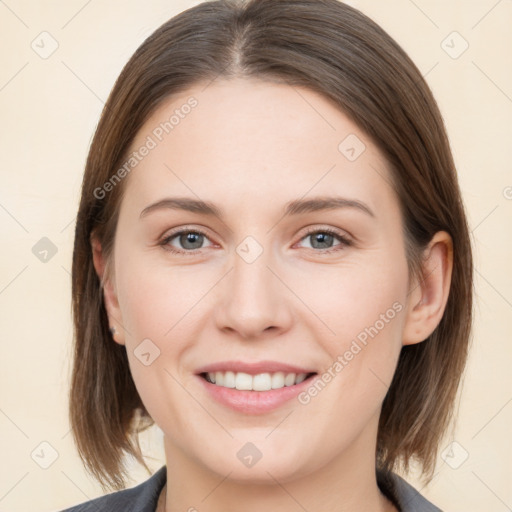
339, 236
343, 240
166, 240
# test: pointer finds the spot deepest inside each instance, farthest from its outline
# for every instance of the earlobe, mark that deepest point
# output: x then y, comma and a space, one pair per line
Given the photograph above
428, 296
109, 292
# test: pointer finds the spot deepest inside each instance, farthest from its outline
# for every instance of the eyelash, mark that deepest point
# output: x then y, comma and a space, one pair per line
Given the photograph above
344, 241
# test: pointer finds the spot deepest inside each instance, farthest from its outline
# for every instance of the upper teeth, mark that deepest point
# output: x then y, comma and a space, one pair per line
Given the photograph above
259, 382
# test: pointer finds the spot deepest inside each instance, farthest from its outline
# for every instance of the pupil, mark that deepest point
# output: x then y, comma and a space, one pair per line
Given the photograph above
191, 238
323, 238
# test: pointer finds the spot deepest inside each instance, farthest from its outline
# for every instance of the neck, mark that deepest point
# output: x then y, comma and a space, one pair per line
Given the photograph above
346, 483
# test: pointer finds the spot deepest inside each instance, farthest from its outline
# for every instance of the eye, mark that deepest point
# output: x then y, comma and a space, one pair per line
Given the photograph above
324, 238
189, 240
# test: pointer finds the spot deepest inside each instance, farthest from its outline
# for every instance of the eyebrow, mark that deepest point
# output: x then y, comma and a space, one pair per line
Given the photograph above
296, 207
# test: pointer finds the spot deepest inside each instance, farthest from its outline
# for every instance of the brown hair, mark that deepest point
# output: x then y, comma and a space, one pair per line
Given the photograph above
338, 52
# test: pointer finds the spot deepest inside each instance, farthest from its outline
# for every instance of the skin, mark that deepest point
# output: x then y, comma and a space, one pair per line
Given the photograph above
250, 147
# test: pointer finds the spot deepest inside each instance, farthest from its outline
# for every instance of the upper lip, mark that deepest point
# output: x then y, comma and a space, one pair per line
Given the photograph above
253, 368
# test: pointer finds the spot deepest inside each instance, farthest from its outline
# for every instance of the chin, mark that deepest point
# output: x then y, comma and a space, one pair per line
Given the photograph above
261, 466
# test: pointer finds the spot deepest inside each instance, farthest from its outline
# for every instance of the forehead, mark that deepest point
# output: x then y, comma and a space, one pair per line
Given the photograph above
246, 140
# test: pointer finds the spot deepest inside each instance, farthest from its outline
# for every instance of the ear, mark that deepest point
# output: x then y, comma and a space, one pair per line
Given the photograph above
428, 296
109, 291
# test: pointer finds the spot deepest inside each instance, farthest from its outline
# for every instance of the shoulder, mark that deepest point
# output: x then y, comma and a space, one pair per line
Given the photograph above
403, 494
141, 498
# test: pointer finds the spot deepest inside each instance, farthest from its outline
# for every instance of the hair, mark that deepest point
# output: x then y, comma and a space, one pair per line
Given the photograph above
332, 49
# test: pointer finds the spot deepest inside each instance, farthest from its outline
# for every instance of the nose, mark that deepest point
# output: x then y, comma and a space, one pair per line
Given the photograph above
253, 302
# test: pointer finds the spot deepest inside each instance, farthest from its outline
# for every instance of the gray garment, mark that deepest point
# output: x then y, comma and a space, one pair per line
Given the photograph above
403, 495
144, 497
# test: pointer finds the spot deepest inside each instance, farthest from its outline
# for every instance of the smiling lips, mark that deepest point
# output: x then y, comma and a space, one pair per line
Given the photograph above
259, 382
254, 388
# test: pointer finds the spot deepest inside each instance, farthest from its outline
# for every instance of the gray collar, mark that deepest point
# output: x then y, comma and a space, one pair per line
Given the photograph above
144, 497
403, 495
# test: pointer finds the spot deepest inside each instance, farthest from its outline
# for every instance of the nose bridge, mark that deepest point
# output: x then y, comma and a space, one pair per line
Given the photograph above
251, 275
252, 295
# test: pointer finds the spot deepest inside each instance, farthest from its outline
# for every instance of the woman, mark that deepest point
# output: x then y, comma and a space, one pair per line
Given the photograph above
272, 263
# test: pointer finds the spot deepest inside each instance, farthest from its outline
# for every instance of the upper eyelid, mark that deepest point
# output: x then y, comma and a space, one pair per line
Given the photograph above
309, 230
180, 231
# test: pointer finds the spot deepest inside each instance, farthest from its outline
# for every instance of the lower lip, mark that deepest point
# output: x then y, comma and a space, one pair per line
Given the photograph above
254, 402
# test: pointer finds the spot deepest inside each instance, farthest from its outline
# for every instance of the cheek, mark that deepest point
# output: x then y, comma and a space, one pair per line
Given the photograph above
155, 298
156, 309
363, 310
347, 299
160, 307
366, 312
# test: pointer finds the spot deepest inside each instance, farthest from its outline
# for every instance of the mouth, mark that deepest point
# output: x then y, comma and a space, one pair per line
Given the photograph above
266, 381
254, 387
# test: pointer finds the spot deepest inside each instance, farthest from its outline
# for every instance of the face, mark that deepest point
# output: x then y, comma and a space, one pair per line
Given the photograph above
267, 285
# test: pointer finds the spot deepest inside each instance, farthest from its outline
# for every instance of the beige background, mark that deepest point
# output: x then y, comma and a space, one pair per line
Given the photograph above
49, 109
